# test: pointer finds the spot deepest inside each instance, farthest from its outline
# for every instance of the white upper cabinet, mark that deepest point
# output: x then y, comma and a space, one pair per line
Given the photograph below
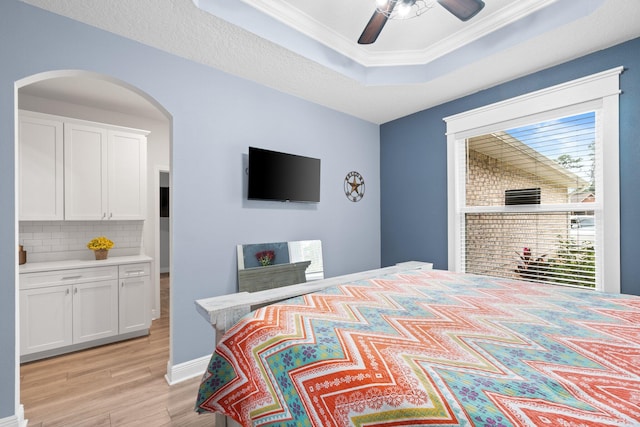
85, 172
105, 173
76, 170
40, 169
127, 175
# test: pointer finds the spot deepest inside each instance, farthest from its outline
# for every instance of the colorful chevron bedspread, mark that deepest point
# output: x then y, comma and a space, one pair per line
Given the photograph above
432, 348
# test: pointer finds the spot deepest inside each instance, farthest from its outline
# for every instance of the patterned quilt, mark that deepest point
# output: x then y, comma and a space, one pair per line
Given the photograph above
432, 348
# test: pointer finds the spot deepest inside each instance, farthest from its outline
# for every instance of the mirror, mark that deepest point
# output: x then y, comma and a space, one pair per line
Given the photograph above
270, 265
308, 250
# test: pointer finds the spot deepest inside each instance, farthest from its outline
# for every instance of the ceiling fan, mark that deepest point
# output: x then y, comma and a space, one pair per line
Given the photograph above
461, 9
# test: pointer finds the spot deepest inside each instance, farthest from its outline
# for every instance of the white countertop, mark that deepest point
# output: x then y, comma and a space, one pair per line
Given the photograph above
34, 267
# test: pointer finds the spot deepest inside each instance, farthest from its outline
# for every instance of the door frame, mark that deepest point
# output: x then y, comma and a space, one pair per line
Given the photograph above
46, 75
158, 170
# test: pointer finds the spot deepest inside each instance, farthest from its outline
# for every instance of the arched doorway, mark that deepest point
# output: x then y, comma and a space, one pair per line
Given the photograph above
88, 96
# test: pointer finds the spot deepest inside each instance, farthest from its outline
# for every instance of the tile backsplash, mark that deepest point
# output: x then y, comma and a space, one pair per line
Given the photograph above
65, 240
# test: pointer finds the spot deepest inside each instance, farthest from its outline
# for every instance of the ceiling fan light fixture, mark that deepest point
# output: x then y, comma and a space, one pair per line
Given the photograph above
405, 7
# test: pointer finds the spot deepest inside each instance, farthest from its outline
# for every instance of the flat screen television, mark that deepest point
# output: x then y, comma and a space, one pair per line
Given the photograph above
283, 177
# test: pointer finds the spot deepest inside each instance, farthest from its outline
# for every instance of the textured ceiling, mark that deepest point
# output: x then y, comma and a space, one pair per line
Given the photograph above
181, 28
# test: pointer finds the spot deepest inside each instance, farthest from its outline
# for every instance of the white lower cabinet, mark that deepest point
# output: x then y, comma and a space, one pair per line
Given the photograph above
134, 295
46, 320
95, 310
67, 310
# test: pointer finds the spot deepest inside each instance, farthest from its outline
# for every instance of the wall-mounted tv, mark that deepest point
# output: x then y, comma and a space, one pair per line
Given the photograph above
284, 177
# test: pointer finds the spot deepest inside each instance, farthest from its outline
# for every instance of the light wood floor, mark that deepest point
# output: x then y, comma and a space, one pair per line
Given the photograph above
119, 384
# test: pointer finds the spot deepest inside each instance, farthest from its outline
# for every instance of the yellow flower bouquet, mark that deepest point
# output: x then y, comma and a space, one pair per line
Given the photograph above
98, 243
100, 246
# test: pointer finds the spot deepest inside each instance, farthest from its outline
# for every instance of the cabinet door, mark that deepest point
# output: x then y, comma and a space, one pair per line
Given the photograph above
95, 310
134, 294
85, 172
45, 319
127, 172
40, 169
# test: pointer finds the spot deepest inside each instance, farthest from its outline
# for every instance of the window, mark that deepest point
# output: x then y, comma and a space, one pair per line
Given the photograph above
524, 190
533, 186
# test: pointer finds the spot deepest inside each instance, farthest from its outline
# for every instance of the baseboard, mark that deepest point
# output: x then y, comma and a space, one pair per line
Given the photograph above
14, 420
82, 346
186, 371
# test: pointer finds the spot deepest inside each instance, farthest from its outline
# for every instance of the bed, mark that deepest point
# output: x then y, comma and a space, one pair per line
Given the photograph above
410, 346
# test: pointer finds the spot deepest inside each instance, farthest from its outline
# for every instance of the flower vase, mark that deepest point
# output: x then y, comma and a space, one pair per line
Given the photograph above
101, 254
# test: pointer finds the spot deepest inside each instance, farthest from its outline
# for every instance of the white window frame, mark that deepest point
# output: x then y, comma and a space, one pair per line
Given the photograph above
598, 91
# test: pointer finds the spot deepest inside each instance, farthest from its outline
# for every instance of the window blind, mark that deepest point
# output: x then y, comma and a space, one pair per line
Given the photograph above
531, 206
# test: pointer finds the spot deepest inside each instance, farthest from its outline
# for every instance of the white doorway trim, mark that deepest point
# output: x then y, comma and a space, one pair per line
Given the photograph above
159, 169
19, 409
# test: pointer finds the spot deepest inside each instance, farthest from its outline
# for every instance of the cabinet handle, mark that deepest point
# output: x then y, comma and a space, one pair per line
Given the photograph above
134, 272
67, 293
75, 290
104, 215
122, 284
111, 215
71, 277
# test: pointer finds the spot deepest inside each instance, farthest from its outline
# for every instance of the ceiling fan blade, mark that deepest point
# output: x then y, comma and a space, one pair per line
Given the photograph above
463, 9
376, 24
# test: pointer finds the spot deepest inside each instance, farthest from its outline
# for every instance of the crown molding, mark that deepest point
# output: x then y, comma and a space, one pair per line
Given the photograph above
285, 25
282, 11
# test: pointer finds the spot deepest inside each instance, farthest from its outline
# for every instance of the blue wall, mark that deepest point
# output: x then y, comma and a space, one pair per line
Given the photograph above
413, 167
215, 118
